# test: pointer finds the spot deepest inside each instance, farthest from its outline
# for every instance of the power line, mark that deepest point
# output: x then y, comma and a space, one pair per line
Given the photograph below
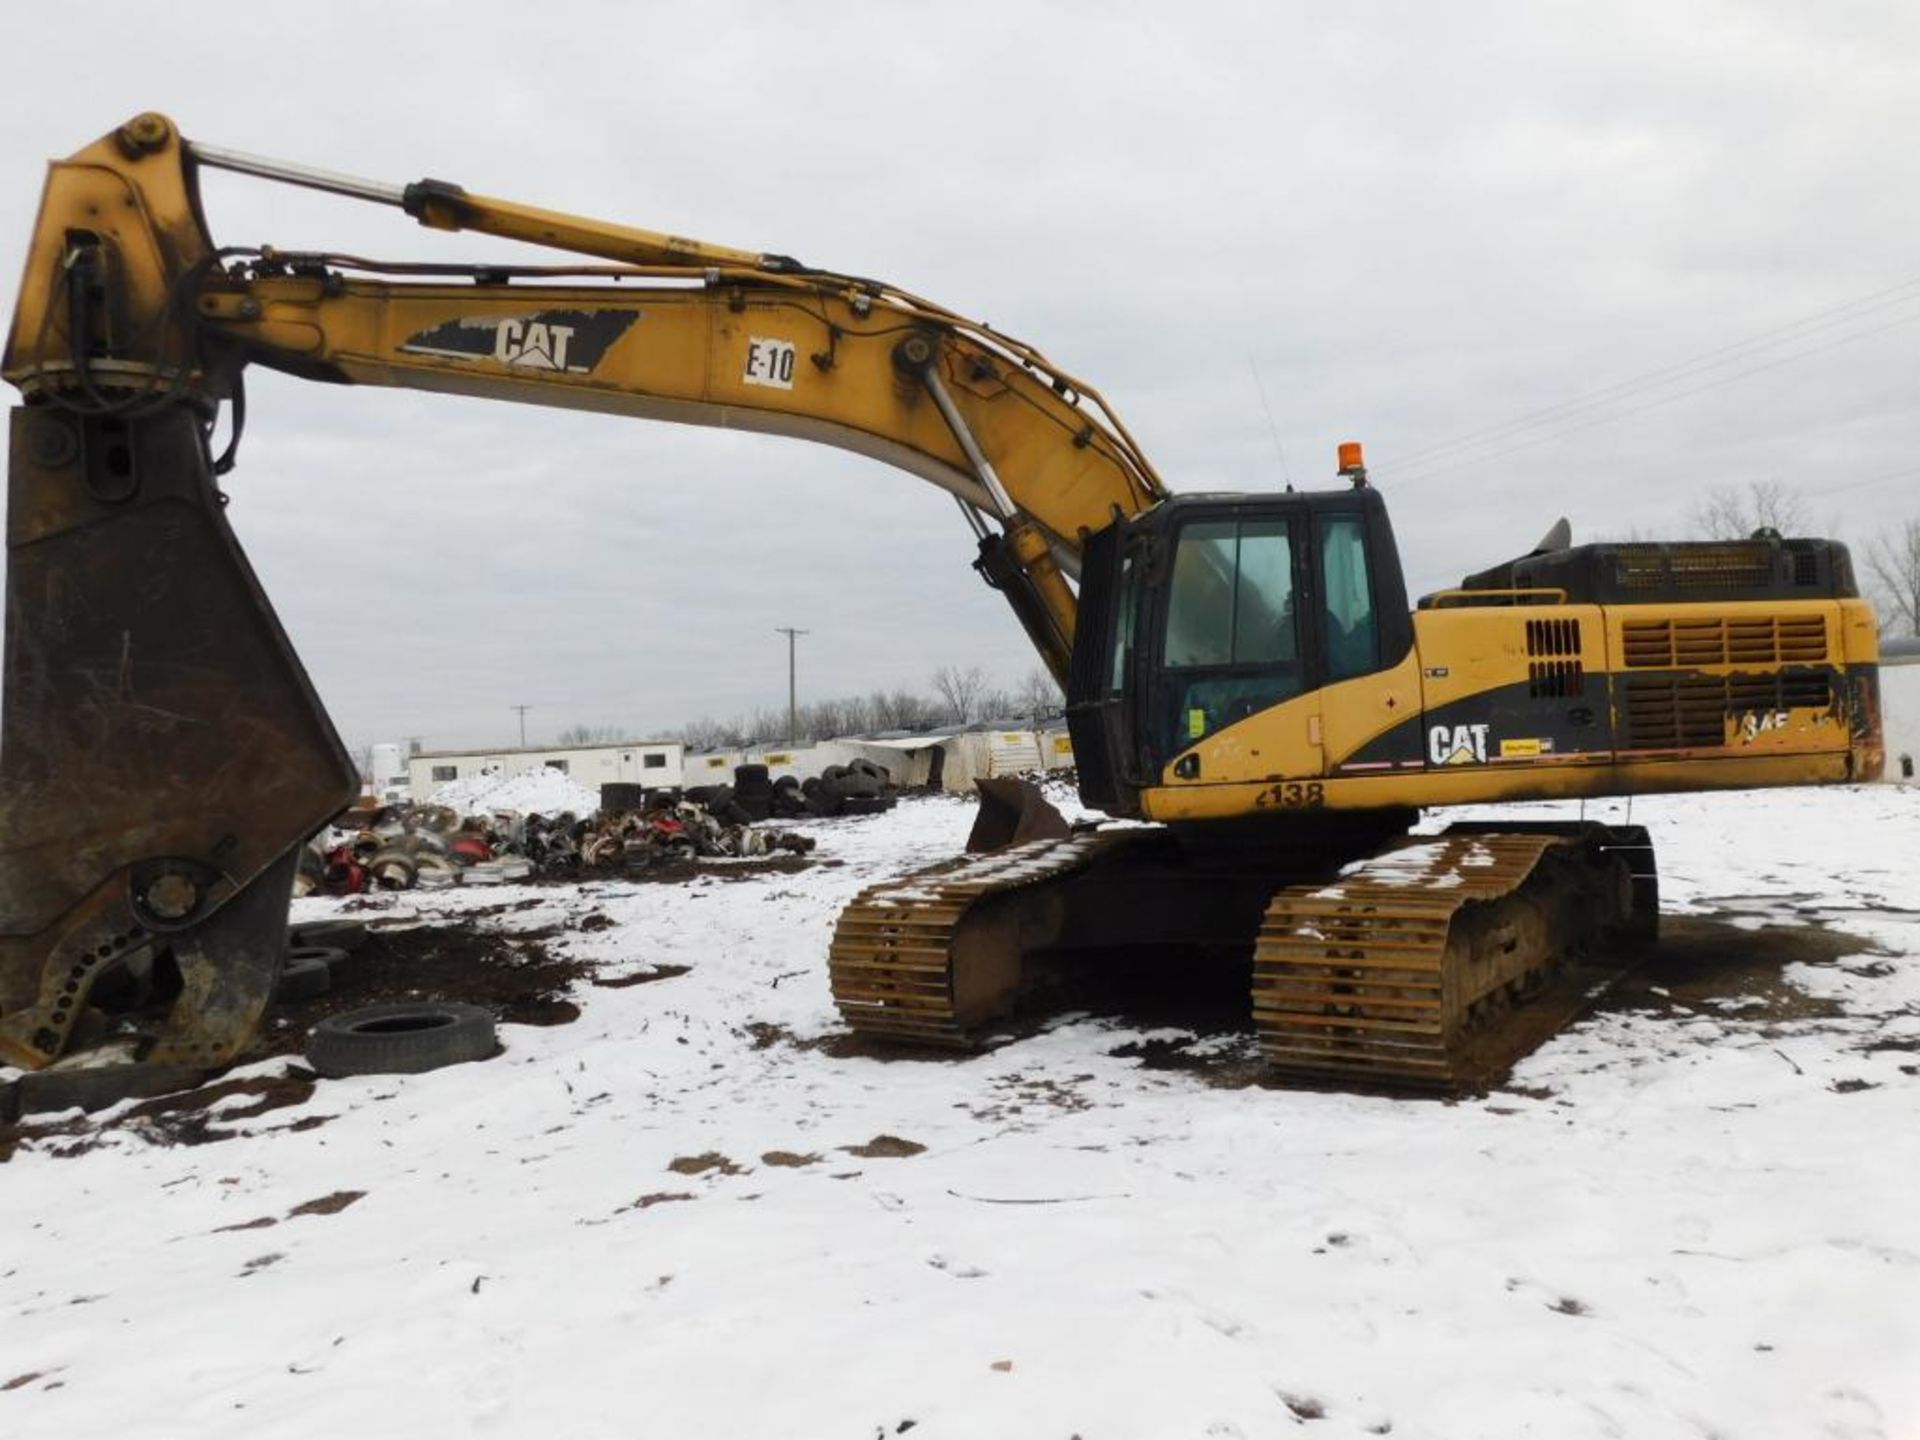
1703, 363
523, 722
1859, 484
1711, 359
1429, 471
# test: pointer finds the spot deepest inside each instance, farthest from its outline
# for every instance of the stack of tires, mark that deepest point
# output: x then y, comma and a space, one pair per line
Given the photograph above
753, 790
789, 803
852, 789
763, 797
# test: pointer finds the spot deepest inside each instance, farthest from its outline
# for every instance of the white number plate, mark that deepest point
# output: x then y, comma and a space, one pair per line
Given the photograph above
770, 362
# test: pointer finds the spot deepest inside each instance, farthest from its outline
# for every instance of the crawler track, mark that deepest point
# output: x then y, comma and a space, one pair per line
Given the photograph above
1400, 972
930, 957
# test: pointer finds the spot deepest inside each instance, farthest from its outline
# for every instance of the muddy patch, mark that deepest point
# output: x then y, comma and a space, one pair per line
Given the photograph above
1016, 1095
1223, 1062
187, 1117
845, 1045
886, 1147
1707, 965
512, 974
657, 1197
327, 1204
644, 977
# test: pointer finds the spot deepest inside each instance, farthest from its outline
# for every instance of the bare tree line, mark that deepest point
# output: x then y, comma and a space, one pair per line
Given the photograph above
954, 696
1892, 569
1894, 562
1728, 512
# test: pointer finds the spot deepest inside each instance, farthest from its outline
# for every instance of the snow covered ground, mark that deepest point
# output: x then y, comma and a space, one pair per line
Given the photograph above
545, 791
1694, 1219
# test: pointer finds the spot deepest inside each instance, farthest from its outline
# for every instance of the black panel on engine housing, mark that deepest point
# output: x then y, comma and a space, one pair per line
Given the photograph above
1627, 573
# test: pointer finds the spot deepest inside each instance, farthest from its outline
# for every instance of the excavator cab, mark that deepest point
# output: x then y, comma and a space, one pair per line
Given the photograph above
1208, 609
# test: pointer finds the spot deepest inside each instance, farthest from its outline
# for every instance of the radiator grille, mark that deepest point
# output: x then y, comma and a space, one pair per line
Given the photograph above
1667, 569
1725, 640
1690, 712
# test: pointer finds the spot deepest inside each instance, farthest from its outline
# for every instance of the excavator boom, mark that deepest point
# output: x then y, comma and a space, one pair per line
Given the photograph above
163, 753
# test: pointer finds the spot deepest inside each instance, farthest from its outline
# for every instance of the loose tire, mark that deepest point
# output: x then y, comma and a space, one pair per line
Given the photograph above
331, 956
346, 935
433, 870
393, 870
858, 783
304, 977
404, 1039
93, 1088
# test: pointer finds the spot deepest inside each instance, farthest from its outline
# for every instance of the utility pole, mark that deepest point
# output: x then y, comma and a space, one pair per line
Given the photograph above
523, 722
793, 709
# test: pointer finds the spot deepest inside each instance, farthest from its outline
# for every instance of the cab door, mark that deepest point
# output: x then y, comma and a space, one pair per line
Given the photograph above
1230, 644
1367, 674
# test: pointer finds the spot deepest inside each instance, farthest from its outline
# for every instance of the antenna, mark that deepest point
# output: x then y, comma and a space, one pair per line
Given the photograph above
1272, 429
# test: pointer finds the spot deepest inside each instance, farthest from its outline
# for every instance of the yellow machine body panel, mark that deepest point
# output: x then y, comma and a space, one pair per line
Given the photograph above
1524, 702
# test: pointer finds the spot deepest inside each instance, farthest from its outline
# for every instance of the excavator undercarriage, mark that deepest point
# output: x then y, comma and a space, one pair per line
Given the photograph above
1434, 963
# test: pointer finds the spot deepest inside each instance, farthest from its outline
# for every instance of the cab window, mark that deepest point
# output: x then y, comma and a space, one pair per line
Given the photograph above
1351, 635
1129, 605
1232, 644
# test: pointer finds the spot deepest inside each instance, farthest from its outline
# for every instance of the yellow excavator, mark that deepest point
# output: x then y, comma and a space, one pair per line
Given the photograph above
1243, 669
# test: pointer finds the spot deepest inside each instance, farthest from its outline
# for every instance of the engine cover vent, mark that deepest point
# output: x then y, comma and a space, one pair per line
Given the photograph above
1695, 643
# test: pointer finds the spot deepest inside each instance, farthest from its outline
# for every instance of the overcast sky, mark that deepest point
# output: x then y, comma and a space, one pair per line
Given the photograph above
1419, 222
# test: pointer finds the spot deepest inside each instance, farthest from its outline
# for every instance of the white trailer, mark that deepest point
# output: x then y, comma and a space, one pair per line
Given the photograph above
1900, 708
638, 762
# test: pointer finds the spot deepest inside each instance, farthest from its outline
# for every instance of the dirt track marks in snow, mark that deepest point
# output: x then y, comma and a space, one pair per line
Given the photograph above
1711, 963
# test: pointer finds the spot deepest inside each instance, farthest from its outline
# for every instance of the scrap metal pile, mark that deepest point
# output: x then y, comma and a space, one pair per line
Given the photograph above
401, 847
